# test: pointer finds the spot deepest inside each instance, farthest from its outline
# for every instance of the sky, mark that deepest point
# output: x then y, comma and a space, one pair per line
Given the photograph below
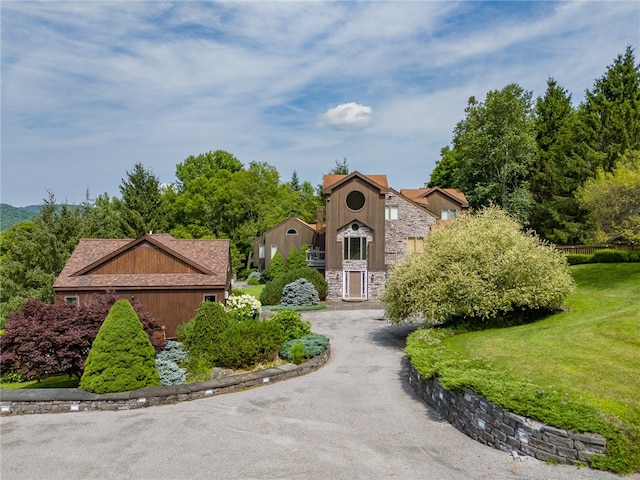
89, 89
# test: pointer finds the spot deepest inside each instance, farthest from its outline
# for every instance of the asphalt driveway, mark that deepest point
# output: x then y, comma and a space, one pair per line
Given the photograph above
355, 418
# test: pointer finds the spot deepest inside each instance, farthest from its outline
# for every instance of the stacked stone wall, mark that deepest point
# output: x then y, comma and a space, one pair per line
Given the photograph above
487, 423
58, 400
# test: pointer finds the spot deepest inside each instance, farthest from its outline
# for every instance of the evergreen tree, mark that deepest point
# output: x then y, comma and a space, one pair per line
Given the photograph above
611, 113
141, 205
121, 356
557, 172
444, 174
295, 181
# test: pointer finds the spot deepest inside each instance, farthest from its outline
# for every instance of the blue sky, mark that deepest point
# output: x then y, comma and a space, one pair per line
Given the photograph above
91, 88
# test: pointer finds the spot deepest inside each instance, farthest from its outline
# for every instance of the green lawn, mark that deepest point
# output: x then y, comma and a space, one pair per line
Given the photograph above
577, 369
58, 381
253, 290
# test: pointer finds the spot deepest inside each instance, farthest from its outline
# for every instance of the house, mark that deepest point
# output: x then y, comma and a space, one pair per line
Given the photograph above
446, 203
368, 228
170, 277
289, 233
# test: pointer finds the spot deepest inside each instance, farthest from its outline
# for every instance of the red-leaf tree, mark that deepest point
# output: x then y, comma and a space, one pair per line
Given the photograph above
43, 339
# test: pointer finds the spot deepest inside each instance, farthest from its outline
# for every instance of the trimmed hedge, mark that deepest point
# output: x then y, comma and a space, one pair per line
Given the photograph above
607, 255
200, 335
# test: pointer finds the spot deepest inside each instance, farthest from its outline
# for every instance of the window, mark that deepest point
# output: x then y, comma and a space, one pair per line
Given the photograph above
209, 298
355, 200
355, 248
415, 244
274, 249
71, 300
391, 212
292, 231
448, 214
261, 251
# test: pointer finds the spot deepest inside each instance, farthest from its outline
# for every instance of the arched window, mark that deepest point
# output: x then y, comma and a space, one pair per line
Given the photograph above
292, 231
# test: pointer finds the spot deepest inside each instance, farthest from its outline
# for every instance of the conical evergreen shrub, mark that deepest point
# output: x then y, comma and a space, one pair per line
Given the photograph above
121, 357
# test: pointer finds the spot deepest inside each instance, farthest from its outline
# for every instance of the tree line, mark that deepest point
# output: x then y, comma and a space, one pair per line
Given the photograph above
572, 174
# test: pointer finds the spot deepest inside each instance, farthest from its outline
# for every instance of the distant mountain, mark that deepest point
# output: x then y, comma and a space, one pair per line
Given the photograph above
10, 215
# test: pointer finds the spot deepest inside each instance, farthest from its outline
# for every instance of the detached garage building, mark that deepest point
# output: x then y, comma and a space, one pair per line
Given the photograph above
170, 277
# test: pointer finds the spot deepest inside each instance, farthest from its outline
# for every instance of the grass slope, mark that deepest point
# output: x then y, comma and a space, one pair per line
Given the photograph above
578, 369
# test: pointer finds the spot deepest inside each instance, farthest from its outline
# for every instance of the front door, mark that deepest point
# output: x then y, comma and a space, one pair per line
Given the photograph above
355, 285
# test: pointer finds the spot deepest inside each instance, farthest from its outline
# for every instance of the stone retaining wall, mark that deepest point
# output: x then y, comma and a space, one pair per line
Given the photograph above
487, 423
57, 400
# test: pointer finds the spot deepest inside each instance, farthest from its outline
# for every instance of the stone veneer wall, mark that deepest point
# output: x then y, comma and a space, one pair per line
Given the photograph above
58, 400
487, 423
412, 221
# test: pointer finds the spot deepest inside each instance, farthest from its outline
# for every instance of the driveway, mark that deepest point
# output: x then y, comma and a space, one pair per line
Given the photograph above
355, 418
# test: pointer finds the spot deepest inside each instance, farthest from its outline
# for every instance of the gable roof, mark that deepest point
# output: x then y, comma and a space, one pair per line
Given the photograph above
329, 182
421, 195
421, 205
209, 258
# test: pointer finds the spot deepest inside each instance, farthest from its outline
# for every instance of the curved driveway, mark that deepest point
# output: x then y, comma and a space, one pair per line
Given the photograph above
354, 418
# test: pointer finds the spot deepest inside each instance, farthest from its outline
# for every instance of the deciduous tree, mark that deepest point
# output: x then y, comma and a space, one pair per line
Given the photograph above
613, 200
481, 268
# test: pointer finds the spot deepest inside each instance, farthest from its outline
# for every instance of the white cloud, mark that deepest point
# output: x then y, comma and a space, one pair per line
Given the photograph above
347, 116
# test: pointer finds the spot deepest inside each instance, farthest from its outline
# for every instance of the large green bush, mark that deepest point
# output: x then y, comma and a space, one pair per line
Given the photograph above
291, 324
481, 267
201, 334
249, 343
121, 356
272, 292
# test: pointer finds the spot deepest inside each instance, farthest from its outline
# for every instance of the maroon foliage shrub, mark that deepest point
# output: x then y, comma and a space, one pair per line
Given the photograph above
43, 339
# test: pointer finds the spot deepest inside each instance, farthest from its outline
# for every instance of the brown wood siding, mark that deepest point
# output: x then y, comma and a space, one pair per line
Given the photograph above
170, 308
372, 215
278, 236
144, 258
439, 202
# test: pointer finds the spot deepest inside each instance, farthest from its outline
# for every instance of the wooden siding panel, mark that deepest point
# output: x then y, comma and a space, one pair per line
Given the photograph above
372, 215
439, 202
278, 236
170, 308
144, 258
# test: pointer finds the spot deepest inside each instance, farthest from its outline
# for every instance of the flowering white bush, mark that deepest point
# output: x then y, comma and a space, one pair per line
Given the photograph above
243, 307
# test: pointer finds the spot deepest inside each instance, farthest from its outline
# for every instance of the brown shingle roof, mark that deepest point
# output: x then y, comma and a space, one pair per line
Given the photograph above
210, 257
420, 195
329, 181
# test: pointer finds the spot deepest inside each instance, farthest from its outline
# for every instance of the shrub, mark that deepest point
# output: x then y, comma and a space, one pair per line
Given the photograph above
255, 275
296, 352
313, 345
579, 258
170, 373
297, 258
210, 321
480, 267
609, 256
277, 267
121, 357
173, 351
243, 307
299, 293
272, 292
291, 324
12, 376
246, 344
253, 282
633, 256
43, 339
